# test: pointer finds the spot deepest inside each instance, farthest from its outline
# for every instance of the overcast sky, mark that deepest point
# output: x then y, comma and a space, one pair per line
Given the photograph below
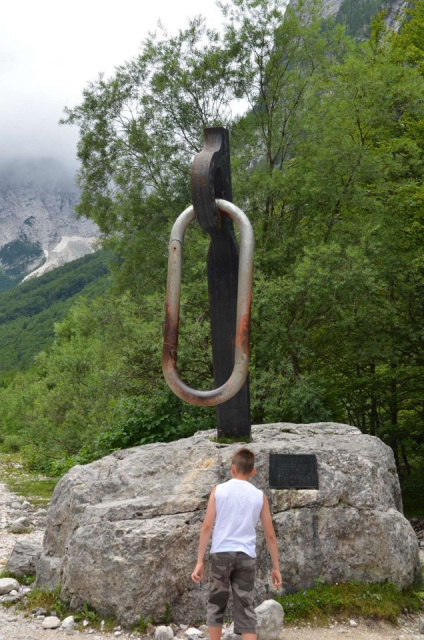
51, 49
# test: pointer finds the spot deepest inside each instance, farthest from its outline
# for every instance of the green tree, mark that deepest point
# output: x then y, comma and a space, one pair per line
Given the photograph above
99, 387
138, 133
328, 165
409, 42
348, 298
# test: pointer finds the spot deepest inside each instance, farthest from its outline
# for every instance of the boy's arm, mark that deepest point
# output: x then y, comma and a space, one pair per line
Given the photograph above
271, 541
205, 534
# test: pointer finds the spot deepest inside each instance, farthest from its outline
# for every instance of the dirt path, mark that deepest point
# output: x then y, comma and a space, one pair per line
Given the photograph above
14, 625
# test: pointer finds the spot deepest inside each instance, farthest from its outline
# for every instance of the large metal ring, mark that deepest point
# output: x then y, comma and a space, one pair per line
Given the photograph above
244, 299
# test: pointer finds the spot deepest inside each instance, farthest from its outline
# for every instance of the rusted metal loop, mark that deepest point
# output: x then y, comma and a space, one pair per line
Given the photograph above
211, 177
244, 298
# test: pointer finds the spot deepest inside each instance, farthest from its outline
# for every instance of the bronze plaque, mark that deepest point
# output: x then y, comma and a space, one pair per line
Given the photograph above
293, 471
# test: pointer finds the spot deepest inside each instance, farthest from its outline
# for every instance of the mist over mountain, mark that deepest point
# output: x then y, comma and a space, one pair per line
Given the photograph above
39, 174
38, 225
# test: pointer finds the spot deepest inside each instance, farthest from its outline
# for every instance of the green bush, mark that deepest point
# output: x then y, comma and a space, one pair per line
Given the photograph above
136, 421
12, 443
413, 494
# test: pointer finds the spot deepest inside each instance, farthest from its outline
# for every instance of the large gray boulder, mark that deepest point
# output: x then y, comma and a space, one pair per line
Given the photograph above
23, 559
122, 532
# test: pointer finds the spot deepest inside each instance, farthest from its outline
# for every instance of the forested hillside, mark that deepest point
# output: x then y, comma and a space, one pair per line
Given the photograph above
357, 16
18, 257
28, 311
327, 162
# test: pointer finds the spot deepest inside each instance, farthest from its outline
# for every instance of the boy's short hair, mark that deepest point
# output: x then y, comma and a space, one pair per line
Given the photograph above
243, 460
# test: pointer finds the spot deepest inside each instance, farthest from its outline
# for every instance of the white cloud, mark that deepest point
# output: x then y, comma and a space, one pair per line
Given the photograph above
50, 50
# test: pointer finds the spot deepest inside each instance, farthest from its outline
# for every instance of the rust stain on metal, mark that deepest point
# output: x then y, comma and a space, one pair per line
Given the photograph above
241, 355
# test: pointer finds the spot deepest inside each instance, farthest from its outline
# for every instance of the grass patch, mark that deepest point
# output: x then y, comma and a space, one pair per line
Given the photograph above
53, 604
226, 440
37, 490
144, 624
48, 600
32, 487
317, 605
27, 580
96, 621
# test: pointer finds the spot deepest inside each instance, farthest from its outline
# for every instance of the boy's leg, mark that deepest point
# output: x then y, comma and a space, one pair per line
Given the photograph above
243, 588
222, 565
215, 633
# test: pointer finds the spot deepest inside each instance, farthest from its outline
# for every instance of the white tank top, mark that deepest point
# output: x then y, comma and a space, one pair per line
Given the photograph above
238, 507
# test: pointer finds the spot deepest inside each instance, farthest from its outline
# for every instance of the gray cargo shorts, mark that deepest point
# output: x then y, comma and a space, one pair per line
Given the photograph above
238, 569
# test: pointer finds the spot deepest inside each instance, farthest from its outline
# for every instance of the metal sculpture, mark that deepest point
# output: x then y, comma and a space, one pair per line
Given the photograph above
230, 289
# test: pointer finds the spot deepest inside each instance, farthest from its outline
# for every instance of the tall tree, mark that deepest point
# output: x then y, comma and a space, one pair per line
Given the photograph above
327, 163
138, 133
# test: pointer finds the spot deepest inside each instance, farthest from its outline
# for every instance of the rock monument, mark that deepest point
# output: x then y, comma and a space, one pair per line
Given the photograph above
122, 532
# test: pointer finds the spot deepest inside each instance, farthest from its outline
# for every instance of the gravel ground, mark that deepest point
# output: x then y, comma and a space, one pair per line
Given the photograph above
366, 629
7, 515
14, 625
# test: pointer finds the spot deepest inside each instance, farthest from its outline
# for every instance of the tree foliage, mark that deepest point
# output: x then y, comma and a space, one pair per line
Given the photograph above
327, 162
28, 311
99, 387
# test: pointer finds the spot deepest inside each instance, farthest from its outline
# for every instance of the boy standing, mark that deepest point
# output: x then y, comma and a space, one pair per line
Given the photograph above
235, 508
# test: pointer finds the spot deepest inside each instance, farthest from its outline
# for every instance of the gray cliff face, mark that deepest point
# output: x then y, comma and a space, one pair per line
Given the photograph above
355, 14
122, 532
37, 200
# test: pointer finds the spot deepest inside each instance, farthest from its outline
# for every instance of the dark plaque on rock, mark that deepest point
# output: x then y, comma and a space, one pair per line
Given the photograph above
293, 471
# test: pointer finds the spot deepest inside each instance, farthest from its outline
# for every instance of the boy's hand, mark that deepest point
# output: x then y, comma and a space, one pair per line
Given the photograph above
197, 575
276, 578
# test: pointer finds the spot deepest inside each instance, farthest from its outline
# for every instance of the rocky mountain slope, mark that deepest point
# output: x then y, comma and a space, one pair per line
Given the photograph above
357, 14
38, 226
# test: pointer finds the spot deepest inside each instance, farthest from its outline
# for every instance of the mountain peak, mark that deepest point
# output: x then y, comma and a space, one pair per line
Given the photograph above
37, 210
